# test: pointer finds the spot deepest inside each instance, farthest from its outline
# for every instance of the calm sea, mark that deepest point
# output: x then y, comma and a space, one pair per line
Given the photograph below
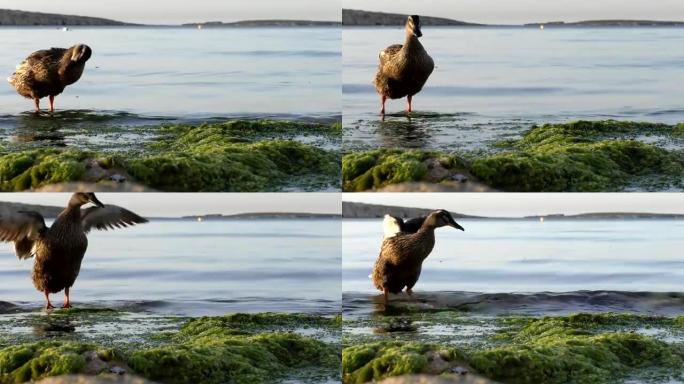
491, 83
189, 268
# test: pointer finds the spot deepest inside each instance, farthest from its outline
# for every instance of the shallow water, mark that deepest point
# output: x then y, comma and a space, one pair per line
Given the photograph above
139, 78
526, 256
187, 268
490, 84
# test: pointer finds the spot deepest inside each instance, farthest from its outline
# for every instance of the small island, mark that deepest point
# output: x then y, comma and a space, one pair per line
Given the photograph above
354, 17
10, 17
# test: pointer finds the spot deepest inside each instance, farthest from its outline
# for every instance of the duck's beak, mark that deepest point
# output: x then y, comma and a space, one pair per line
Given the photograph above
453, 223
97, 202
417, 32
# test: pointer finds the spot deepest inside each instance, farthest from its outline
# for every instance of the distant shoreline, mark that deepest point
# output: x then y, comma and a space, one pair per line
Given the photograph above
353, 210
17, 18
361, 18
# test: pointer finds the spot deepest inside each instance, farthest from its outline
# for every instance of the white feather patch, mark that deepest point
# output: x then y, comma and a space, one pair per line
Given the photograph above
390, 226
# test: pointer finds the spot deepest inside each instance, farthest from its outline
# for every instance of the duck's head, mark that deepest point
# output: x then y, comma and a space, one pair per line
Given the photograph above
441, 218
80, 53
82, 198
413, 26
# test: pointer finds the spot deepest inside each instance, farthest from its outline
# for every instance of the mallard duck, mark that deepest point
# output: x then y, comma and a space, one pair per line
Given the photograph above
403, 69
58, 250
402, 254
48, 72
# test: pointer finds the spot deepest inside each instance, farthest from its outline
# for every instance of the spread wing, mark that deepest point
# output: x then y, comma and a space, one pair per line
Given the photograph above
109, 217
389, 52
22, 228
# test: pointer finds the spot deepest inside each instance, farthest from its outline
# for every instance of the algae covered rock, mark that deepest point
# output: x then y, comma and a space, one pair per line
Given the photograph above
581, 156
375, 361
571, 157
239, 155
379, 168
21, 363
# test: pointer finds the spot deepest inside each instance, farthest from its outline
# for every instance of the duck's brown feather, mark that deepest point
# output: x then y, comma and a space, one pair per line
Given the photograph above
401, 258
403, 69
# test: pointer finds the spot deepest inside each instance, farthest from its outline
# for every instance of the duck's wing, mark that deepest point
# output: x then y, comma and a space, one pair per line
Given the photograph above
414, 224
388, 53
42, 65
109, 217
23, 228
391, 226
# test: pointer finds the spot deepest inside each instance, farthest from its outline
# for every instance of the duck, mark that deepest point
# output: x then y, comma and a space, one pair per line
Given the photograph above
403, 69
47, 72
402, 254
58, 250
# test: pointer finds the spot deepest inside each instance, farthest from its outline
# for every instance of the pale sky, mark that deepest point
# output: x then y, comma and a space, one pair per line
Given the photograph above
526, 11
184, 11
187, 204
529, 204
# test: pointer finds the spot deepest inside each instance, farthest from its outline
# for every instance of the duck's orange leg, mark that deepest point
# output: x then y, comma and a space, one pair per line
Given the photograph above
67, 303
385, 294
37, 103
383, 99
409, 108
47, 297
52, 104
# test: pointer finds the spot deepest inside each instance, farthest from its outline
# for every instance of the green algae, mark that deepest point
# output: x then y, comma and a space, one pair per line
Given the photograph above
36, 168
35, 361
378, 168
238, 348
580, 156
575, 349
577, 156
240, 155
578, 348
375, 361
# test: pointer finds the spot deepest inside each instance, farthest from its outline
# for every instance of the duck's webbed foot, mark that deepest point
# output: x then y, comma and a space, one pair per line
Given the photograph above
49, 305
383, 99
67, 302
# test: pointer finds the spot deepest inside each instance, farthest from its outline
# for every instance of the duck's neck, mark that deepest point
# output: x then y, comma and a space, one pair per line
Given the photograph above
412, 44
71, 212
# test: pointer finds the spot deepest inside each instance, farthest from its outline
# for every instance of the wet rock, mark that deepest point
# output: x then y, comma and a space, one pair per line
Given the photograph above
94, 363
117, 370
461, 178
117, 178
100, 379
425, 379
436, 171
460, 370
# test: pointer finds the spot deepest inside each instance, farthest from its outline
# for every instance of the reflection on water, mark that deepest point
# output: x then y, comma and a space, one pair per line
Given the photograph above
53, 326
